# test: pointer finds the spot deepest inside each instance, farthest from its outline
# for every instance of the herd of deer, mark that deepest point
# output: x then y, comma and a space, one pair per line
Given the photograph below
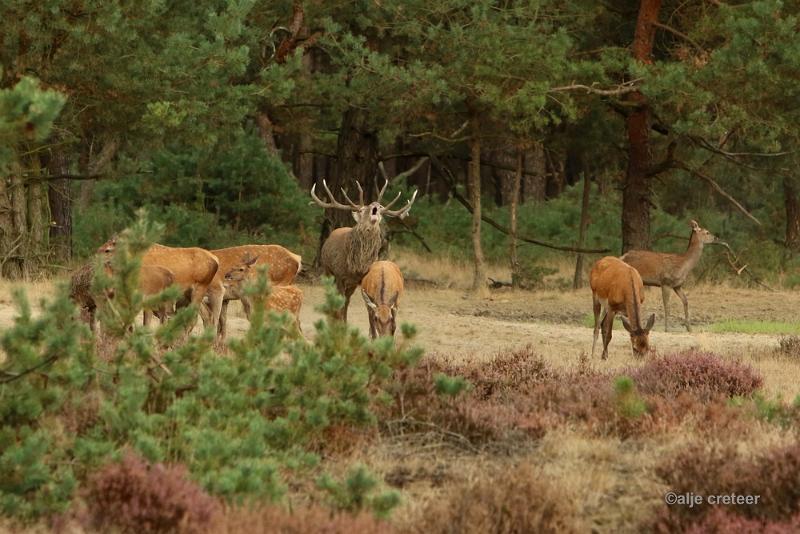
210, 279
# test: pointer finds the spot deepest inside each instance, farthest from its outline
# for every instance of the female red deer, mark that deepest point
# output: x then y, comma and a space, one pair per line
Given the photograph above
618, 288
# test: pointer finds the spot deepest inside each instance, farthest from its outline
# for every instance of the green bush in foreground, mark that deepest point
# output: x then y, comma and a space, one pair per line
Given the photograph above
240, 423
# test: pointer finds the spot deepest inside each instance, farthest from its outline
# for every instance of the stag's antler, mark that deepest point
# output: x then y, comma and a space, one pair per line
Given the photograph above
333, 202
402, 212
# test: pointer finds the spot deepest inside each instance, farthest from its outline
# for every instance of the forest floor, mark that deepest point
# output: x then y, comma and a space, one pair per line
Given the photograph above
610, 480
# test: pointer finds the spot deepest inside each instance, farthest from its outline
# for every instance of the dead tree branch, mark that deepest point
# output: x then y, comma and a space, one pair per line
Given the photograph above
717, 188
622, 89
733, 261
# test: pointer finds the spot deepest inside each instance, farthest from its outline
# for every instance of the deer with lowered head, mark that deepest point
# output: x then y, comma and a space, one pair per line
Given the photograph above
348, 253
381, 288
669, 271
618, 288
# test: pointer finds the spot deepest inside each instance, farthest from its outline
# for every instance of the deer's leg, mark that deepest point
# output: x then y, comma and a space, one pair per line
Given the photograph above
146, 317
608, 326
665, 299
223, 316
247, 306
682, 296
596, 311
373, 332
216, 295
348, 293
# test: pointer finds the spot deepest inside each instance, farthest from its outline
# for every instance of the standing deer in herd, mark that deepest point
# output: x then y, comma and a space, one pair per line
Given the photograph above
194, 270
288, 298
284, 265
381, 288
618, 288
669, 271
348, 252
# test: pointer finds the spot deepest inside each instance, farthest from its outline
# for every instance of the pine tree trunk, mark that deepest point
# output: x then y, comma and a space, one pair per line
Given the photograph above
60, 202
38, 221
577, 281
474, 178
792, 205
356, 159
514, 201
8, 235
19, 206
636, 188
534, 181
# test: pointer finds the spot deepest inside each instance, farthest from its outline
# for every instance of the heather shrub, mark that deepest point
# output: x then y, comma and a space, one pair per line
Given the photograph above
136, 496
714, 468
702, 374
518, 499
723, 521
789, 346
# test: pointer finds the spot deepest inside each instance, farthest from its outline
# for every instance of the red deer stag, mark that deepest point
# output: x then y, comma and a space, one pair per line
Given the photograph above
348, 252
618, 288
287, 298
382, 288
284, 265
194, 270
669, 271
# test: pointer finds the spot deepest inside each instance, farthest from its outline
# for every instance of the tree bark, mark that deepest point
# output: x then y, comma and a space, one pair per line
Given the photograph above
792, 205
474, 178
60, 201
514, 200
356, 159
636, 187
577, 281
96, 166
534, 181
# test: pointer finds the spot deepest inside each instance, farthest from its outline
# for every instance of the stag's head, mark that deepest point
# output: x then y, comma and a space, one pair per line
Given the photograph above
702, 234
369, 215
385, 314
640, 337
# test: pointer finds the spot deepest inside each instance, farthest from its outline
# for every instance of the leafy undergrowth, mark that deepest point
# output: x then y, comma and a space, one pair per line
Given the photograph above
242, 427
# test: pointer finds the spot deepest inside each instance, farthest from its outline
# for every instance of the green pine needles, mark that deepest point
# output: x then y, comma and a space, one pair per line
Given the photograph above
243, 422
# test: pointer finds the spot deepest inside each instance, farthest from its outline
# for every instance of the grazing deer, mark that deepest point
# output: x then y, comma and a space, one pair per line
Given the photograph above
669, 271
284, 265
348, 252
287, 298
618, 288
381, 288
194, 270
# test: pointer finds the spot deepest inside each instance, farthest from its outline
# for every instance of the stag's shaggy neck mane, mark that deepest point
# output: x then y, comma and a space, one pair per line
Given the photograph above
363, 247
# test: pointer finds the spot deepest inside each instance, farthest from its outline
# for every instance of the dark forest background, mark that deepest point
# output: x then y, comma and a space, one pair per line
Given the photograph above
218, 116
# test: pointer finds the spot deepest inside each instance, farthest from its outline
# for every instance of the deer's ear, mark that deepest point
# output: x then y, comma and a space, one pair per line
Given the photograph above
356, 215
626, 324
650, 322
367, 300
252, 260
694, 225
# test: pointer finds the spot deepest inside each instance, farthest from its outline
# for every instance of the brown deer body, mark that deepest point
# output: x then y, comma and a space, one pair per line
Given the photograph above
152, 280
382, 288
348, 252
618, 288
669, 271
194, 270
288, 298
284, 265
